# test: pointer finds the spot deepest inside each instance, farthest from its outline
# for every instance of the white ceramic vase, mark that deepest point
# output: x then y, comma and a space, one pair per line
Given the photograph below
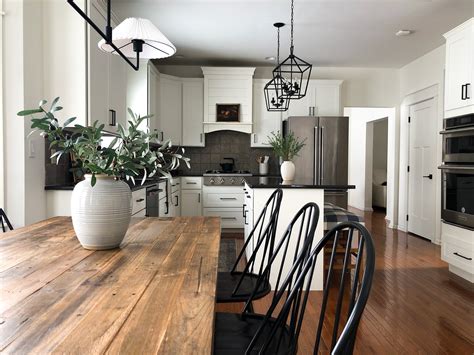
287, 170
101, 214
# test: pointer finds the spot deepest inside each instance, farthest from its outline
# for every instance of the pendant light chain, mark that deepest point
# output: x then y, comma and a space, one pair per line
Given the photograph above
291, 29
278, 47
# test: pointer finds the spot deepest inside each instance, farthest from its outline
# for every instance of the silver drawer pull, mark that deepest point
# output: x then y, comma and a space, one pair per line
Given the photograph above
233, 218
228, 198
462, 256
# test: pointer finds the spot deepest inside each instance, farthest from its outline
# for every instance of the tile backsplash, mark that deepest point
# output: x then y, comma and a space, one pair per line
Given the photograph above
228, 144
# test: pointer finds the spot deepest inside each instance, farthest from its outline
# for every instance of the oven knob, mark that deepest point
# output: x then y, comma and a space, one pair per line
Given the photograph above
220, 181
211, 180
232, 181
242, 181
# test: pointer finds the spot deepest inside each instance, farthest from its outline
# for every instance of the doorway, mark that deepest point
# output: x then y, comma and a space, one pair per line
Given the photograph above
422, 169
378, 196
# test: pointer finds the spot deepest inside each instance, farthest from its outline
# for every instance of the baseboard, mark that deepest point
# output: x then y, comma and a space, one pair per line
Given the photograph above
461, 273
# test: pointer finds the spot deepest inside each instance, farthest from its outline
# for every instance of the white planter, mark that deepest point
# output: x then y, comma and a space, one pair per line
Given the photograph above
287, 170
101, 214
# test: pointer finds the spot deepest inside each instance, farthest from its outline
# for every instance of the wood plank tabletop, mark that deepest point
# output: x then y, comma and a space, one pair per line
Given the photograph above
156, 294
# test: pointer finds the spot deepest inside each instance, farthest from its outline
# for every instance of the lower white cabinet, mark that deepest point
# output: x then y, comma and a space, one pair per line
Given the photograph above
230, 217
139, 203
224, 202
58, 203
191, 196
457, 249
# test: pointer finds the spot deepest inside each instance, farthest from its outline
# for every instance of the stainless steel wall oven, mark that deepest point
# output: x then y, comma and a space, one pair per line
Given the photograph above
458, 140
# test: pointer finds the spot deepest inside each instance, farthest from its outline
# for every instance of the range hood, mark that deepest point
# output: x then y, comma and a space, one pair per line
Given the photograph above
228, 86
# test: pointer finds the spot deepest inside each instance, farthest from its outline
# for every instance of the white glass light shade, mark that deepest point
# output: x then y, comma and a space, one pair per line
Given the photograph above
155, 46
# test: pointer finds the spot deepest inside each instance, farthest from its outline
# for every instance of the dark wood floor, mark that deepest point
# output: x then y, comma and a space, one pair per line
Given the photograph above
415, 307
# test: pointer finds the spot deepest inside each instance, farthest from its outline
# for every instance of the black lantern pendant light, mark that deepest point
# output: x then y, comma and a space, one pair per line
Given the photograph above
273, 89
295, 72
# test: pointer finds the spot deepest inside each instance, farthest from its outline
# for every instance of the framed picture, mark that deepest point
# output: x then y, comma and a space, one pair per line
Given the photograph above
227, 112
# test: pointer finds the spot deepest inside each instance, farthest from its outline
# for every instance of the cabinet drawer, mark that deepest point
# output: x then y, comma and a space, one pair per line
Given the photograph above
191, 182
222, 199
459, 255
175, 184
138, 201
230, 217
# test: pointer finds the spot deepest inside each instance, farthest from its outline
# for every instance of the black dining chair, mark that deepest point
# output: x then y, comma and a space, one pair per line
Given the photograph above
4, 220
278, 334
351, 290
237, 286
248, 332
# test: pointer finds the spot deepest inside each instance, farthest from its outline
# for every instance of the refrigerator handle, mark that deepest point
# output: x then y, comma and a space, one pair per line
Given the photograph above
316, 155
321, 170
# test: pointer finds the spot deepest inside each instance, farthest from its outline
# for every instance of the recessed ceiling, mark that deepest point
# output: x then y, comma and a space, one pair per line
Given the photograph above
341, 33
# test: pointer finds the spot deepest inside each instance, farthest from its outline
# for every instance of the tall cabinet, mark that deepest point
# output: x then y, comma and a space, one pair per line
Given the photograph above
459, 77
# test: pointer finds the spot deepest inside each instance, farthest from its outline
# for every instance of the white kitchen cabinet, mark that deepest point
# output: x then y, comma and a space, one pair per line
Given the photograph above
264, 122
193, 112
323, 95
457, 249
98, 64
117, 91
459, 70
191, 203
225, 202
170, 102
153, 83
139, 203
175, 197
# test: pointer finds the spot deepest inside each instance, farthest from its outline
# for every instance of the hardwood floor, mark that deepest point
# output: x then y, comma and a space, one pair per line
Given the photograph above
415, 307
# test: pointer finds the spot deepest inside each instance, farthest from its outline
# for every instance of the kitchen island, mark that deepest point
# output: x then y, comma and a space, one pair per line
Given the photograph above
295, 195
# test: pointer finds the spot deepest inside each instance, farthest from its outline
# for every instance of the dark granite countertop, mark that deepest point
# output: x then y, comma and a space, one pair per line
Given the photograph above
277, 182
138, 186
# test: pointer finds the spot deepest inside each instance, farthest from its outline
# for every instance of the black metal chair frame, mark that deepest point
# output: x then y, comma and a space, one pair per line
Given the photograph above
265, 239
4, 219
291, 285
297, 296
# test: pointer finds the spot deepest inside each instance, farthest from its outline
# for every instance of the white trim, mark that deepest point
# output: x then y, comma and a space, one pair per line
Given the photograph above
2, 114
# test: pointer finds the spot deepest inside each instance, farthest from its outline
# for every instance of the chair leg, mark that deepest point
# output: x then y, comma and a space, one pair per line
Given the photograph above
4, 217
3, 224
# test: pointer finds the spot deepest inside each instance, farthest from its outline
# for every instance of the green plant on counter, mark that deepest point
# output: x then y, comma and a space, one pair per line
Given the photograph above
287, 147
128, 155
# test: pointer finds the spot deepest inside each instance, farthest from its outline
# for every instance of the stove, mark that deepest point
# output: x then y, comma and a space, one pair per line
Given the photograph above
221, 178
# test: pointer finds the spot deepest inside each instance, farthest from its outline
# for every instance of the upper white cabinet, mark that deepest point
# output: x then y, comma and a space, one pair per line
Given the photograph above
264, 122
153, 83
170, 101
107, 73
323, 95
193, 112
459, 70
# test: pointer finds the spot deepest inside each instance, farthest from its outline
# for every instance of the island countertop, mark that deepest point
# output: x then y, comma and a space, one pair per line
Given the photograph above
272, 182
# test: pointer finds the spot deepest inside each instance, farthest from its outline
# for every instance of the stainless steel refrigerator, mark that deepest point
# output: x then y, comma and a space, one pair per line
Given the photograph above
324, 158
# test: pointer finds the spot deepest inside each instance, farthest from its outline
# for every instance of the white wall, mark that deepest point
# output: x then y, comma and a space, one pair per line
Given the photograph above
360, 156
427, 73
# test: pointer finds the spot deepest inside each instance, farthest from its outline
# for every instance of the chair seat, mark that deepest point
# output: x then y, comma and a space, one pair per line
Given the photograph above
333, 215
234, 332
226, 283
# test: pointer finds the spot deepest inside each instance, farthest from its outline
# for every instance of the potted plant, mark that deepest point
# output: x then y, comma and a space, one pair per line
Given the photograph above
101, 204
286, 147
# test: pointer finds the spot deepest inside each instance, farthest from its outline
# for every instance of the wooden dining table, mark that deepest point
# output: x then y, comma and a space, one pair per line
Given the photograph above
154, 294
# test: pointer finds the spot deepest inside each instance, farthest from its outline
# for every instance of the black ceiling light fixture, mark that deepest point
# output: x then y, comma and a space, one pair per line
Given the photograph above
294, 71
273, 89
133, 38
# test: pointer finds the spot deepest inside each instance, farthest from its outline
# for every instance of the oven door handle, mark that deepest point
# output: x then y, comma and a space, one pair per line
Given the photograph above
457, 130
457, 167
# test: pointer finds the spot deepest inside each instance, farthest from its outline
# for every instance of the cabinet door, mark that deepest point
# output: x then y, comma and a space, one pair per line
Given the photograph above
171, 109
193, 113
327, 99
191, 203
153, 98
117, 90
459, 68
264, 122
98, 72
164, 208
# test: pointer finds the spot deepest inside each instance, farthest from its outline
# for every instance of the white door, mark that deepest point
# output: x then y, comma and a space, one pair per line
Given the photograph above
422, 169
191, 203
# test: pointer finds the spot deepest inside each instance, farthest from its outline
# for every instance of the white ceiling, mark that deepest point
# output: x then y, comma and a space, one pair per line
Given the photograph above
346, 33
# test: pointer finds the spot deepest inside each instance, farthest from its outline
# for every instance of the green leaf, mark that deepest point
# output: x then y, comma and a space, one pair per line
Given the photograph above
42, 102
69, 121
53, 104
93, 180
29, 112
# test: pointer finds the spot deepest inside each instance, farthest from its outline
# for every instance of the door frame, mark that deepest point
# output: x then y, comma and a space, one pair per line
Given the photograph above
423, 95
